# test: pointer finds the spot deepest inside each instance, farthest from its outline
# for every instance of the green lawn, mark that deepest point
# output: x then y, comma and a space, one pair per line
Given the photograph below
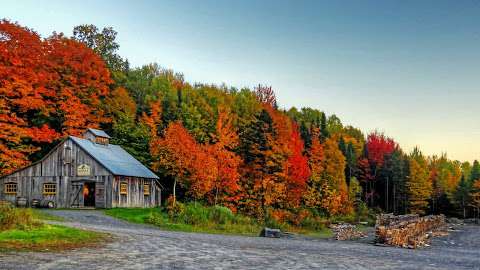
201, 220
49, 238
135, 215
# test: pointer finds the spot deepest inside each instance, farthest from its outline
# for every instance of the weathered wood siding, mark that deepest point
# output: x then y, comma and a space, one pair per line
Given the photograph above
135, 196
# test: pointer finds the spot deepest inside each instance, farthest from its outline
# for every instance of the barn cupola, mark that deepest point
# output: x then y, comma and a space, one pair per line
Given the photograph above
97, 136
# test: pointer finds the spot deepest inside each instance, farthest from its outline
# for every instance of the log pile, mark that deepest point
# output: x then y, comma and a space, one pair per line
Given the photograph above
346, 232
409, 231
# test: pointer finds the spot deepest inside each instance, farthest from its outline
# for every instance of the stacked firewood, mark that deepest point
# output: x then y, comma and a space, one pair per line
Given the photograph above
409, 231
346, 232
387, 219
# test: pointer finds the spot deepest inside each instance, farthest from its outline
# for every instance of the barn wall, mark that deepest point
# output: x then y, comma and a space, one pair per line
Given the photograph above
58, 167
135, 196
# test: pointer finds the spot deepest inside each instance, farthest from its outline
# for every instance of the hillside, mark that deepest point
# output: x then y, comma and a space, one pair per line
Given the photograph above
215, 144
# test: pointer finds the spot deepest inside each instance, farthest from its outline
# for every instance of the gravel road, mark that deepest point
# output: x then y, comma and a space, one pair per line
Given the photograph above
144, 247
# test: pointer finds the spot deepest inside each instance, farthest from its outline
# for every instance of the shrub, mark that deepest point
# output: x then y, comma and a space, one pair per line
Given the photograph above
362, 212
175, 209
314, 223
194, 214
156, 219
16, 218
221, 215
344, 218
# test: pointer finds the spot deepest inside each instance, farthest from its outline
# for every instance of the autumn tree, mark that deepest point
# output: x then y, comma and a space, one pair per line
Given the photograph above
316, 159
266, 95
22, 92
298, 171
376, 148
419, 187
126, 129
227, 162
336, 191
178, 155
49, 88
256, 151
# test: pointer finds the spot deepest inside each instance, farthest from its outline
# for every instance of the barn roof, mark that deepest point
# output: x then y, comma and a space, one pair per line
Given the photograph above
99, 133
115, 159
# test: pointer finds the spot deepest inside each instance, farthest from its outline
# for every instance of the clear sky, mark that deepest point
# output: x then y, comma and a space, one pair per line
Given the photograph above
408, 68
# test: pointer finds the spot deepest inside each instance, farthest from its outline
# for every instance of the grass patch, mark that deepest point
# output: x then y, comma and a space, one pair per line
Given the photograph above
49, 238
135, 215
192, 217
22, 229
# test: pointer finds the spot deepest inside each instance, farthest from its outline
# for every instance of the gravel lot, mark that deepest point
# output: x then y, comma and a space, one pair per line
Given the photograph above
144, 247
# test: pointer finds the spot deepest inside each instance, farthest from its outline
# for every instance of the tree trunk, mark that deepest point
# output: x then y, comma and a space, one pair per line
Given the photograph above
174, 191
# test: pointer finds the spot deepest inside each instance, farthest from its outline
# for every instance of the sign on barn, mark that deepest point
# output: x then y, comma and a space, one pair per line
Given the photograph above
83, 170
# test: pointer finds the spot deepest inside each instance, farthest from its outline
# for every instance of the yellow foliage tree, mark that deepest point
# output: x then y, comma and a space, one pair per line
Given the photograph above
419, 187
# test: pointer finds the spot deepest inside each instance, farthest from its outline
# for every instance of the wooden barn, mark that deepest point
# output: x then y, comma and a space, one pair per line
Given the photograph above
83, 172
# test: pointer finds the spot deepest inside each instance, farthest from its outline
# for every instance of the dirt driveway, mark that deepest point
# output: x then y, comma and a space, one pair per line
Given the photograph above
144, 247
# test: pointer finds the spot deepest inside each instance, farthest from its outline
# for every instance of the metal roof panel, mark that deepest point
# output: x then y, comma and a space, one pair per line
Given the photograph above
99, 133
115, 159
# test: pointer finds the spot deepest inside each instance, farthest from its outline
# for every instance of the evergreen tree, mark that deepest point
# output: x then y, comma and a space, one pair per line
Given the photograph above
475, 197
351, 159
462, 195
475, 173
324, 134
261, 165
393, 175
306, 135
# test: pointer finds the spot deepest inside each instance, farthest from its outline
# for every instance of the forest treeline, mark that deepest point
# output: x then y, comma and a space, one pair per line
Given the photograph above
213, 144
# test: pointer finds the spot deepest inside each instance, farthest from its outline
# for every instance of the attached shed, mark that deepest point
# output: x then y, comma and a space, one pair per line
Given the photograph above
84, 172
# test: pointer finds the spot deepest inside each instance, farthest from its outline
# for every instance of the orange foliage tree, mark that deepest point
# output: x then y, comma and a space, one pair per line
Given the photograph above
177, 154
227, 162
316, 159
48, 89
298, 171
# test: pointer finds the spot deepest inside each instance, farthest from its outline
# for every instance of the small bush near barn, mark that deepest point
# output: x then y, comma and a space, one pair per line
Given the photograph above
17, 218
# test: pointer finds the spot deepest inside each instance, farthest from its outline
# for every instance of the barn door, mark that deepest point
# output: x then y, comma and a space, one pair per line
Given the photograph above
76, 195
100, 195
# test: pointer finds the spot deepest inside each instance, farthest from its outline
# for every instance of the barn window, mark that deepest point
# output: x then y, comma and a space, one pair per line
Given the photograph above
123, 188
146, 189
49, 189
101, 140
10, 188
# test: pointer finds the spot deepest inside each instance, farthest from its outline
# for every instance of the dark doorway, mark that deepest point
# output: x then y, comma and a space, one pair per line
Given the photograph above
89, 194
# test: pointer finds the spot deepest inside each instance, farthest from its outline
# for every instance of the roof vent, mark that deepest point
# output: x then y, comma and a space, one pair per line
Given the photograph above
97, 136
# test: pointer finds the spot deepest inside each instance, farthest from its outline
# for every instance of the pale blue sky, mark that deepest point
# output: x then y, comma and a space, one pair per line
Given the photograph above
408, 68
